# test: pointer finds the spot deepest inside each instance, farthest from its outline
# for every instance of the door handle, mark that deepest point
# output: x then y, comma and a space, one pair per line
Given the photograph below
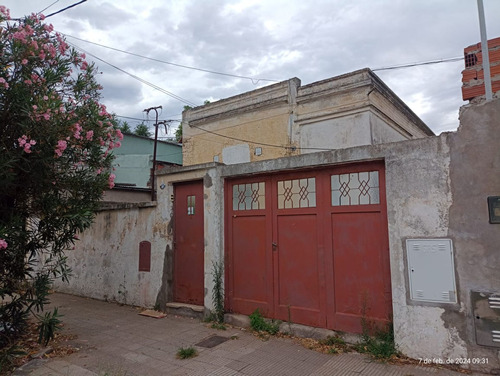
275, 246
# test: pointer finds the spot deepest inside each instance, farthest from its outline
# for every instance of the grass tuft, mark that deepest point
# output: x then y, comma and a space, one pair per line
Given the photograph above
186, 352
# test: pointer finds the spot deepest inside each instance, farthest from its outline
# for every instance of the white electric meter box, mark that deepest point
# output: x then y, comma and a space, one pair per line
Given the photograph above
431, 270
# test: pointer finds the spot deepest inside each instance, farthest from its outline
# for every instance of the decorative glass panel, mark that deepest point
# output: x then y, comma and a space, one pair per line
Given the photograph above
358, 188
251, 196
191, 202
297, 193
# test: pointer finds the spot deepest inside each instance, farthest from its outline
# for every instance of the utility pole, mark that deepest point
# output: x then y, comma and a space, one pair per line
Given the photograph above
485, 51
153, 190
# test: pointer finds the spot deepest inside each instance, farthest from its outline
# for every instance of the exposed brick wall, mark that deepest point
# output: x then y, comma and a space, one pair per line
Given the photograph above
473, 74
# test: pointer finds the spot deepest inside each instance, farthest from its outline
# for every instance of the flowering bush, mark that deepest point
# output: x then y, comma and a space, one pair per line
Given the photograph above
55, 161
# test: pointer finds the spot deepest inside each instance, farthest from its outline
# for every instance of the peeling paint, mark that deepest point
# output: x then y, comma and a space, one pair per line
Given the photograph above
207, 180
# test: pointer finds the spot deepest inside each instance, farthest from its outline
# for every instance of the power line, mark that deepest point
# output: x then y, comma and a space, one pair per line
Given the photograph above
133, 118
68, 7
448, 60
293, 148
138, 78
254, 80
47, 7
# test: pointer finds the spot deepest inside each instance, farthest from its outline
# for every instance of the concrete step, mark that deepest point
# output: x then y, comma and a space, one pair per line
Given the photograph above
184, 309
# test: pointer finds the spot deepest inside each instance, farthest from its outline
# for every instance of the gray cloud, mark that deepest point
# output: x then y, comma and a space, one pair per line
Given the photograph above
278, 40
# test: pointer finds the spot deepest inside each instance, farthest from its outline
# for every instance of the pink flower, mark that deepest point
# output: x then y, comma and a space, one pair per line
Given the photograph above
35, 107
45, 98
61, 146
5, 11
84, 66
3, 83
46, 116
89, 135
24, 61
119, 134
21, 35
3, 244
26, 143
111, 180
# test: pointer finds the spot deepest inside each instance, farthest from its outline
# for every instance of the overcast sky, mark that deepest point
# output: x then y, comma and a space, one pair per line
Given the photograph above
270, 40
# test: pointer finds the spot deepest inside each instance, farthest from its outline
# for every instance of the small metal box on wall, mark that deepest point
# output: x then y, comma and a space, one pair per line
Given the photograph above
486, 307
431, 271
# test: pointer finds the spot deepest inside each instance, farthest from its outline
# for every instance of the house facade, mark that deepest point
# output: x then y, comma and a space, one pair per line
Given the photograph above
287, 119
134, 159
400, 231
133, 163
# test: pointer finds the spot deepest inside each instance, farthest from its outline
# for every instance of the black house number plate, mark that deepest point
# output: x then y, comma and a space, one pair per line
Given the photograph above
494, 209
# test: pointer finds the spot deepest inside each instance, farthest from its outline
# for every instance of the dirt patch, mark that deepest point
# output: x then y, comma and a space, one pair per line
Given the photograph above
27, 344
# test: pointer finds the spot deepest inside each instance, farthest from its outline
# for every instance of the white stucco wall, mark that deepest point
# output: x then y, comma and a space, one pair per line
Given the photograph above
337, 133
105, 261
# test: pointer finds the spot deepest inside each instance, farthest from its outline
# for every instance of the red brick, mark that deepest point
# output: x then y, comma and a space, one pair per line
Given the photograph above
469, 92
472, 92
494, 57
492, 43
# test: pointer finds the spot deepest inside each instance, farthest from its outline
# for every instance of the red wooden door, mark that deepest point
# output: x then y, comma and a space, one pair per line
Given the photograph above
188, 279
249, 260
299, 294
358, 233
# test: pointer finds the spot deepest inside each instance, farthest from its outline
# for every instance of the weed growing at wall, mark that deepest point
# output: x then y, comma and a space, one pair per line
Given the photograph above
259, 324
218, 291
380, 346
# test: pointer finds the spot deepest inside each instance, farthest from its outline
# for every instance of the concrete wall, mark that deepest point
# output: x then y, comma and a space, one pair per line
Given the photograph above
127, 194
106, 258
475, 164
353, 130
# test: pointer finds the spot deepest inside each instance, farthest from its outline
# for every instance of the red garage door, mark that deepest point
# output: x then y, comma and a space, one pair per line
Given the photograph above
310, 247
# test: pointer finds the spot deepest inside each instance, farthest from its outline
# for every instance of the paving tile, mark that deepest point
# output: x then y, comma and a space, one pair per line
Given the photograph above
237, 365
223, 371
116, 340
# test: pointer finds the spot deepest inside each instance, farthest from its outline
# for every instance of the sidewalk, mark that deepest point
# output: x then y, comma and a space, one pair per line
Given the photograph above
114, 340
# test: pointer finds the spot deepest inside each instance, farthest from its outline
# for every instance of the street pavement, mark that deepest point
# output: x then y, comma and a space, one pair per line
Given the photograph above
114, 340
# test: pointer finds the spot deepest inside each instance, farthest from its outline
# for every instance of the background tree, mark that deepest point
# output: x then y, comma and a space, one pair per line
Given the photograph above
55, 163
142, 130
123, 126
